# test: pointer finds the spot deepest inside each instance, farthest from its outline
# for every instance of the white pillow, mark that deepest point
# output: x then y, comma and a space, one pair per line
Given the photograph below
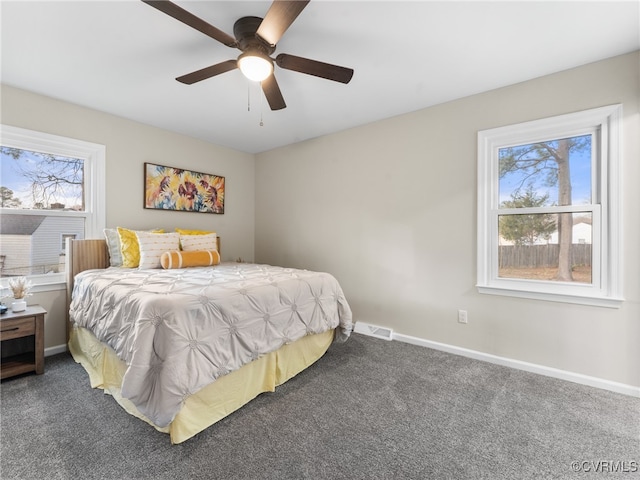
113, 245
153, 245
191, 243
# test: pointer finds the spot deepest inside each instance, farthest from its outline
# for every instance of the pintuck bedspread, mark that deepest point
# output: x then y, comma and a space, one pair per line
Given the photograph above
179, 330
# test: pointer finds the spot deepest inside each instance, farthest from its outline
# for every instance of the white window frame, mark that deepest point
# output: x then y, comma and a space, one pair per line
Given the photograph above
63, 239
606, 287
94, 157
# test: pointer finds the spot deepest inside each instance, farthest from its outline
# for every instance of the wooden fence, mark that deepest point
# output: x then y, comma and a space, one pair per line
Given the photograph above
518, 256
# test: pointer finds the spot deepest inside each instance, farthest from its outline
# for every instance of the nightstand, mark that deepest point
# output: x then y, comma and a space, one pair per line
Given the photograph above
16, 329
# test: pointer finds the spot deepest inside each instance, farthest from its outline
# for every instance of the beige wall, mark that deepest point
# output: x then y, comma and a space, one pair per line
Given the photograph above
390, 209
129, 145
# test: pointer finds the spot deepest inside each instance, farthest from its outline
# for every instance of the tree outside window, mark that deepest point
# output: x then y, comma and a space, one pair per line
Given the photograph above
539, 175
44, 181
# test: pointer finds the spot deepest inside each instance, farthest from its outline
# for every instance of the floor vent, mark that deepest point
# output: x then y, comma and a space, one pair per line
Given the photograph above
374, 331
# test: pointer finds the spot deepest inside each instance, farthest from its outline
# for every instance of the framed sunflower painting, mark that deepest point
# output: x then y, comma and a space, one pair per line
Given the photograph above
169, 188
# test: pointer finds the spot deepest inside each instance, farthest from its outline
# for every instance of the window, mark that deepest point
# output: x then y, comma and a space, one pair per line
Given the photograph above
51, 189
548, 209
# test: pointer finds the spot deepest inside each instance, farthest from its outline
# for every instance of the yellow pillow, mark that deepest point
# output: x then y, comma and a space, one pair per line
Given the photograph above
195, 258
130, 248
182, 231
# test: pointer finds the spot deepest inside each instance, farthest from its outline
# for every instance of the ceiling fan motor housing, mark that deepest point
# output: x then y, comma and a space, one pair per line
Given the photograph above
245, 30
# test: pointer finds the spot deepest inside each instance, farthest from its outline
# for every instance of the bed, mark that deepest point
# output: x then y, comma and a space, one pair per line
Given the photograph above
183, 348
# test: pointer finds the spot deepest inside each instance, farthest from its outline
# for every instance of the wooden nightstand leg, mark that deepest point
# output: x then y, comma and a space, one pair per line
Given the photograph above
39, 344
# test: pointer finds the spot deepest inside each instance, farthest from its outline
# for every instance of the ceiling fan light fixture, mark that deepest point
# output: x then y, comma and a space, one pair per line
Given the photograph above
255, 65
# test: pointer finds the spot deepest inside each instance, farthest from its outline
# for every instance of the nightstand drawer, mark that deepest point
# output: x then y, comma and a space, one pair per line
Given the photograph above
17, 328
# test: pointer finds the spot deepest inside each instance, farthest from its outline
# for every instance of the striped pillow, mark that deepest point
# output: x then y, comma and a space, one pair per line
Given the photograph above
190, 243
153, 245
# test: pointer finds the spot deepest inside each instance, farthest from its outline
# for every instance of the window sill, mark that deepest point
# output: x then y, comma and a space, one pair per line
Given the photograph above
607, 302
41, 283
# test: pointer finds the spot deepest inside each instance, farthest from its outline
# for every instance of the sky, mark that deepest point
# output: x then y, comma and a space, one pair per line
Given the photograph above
11, 177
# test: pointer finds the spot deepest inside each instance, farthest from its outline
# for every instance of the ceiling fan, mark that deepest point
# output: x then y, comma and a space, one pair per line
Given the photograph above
257, 39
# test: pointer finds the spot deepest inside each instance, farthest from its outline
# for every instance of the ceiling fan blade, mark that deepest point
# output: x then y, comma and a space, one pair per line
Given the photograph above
279, 18
190, 19
208, 72
313, 67
272, 92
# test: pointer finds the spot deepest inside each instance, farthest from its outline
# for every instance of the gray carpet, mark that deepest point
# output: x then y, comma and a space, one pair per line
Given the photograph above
369, 409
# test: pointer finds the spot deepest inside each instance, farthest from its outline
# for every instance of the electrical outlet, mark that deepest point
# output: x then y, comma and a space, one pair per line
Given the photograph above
462, 316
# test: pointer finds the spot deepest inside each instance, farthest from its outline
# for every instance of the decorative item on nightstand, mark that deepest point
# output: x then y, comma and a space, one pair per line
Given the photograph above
20, 288
4, 293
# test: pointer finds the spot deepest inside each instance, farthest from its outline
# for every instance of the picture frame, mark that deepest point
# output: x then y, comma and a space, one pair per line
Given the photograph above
177, 189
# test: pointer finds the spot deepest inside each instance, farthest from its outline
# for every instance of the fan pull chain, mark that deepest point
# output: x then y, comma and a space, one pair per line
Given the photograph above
261, 103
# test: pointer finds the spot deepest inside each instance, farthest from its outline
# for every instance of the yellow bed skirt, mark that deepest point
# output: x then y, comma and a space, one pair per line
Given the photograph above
213, 402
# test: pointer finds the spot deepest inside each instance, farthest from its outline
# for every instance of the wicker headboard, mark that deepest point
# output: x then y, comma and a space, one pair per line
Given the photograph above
83, 255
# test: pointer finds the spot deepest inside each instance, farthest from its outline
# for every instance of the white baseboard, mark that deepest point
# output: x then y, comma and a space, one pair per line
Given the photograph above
509, 362
386, 333
55, 350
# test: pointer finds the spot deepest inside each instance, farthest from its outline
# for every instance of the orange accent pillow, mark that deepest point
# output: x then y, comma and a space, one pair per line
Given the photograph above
195, 258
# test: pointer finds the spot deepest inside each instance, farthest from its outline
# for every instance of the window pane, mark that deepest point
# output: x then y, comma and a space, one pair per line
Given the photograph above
555, 172
33, 244
531, 247
34, 180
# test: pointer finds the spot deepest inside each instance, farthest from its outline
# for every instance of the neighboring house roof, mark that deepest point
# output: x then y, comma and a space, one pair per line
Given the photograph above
20, 224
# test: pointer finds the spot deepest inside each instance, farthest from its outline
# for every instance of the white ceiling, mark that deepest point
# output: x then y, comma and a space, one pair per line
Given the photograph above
122, 57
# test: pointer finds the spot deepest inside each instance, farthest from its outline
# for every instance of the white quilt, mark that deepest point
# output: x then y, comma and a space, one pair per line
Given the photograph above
179, 330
